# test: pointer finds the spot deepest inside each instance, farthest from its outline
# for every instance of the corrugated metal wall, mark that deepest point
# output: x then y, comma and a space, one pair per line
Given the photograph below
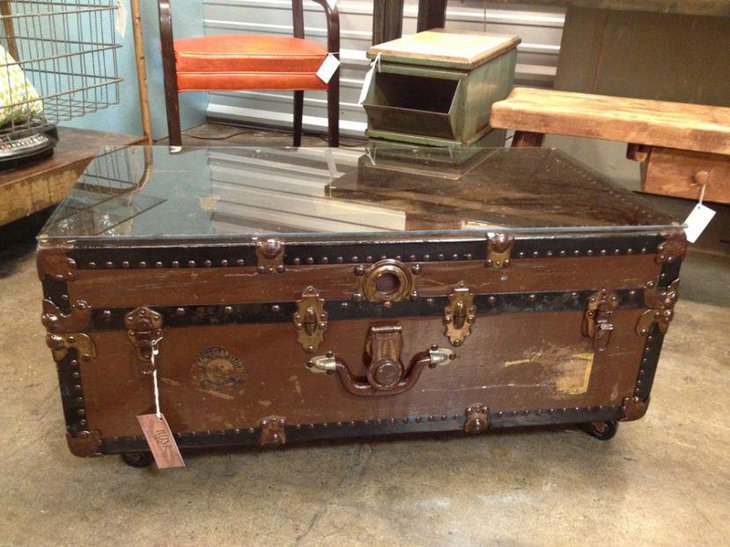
539, 28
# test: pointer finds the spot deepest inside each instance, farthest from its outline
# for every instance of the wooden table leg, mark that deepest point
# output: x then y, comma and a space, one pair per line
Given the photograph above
431, 14
527, 139
387, 20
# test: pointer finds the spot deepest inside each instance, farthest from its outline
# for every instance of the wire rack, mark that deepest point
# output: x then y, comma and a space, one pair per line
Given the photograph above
59, 61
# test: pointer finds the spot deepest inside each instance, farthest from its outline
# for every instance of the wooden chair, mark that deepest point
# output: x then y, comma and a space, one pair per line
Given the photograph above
239, 62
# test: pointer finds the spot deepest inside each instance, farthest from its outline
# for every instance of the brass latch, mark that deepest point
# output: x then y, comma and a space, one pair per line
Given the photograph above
598, 320
499, 250
144, 329
310, 319
459, 315
270, 256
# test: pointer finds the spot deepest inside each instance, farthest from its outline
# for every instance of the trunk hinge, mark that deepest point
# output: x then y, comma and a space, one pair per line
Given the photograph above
270, 256
499, 250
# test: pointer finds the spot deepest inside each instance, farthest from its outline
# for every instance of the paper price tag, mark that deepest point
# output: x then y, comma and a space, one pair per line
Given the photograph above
328, 68
161, 440
697, 221
120, 19
366, 85
368, 79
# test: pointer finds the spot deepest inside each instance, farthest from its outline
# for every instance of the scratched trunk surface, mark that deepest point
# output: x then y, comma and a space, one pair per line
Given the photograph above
232, 361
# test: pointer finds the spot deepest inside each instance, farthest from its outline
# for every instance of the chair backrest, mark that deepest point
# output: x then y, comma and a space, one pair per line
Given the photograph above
333, 21
297, 8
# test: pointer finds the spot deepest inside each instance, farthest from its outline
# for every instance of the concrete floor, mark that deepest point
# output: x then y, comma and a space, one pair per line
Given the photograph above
664, 480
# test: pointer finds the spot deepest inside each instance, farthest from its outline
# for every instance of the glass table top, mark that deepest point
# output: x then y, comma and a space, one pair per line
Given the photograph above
137, 193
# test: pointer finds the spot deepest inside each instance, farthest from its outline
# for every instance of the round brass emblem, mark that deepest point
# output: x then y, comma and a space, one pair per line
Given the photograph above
219, 370
387, 281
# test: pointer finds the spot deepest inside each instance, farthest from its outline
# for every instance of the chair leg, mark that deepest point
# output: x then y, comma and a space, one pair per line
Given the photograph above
298, 114
173, 123
333, 110
172, 104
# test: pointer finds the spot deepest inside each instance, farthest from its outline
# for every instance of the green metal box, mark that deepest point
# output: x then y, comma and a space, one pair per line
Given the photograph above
437, 88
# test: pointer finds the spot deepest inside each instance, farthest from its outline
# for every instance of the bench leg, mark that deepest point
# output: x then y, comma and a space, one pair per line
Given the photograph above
527, 139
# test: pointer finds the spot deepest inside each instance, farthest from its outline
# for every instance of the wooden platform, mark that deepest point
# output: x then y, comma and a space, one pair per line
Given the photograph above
684, 147
42, 184
639, 121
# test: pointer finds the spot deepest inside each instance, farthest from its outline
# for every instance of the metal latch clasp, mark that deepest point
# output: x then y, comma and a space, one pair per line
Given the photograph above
144, 330
598, 320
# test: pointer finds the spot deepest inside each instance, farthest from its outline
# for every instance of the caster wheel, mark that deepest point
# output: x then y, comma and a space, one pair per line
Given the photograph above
138, 459
602, 430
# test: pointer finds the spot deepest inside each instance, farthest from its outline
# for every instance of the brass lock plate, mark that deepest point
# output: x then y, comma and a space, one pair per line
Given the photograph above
144, 330
459, 315
310, 319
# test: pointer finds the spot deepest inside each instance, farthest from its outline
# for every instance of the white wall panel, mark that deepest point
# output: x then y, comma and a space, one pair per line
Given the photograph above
539, 28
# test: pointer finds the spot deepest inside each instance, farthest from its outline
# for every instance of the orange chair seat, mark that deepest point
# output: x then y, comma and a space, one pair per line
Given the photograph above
245, 61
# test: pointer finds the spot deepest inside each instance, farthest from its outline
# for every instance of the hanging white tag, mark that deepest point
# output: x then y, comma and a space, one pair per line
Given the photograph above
697, 221
368, 79
328, 68
120, 19
366, 85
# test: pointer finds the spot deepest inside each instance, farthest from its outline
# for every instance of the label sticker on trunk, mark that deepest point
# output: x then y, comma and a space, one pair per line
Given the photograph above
217, 369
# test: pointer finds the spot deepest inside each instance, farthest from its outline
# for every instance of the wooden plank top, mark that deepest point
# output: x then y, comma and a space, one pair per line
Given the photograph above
638, 121
445, 49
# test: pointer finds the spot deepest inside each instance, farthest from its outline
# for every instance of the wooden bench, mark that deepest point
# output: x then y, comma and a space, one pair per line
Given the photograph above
683, 146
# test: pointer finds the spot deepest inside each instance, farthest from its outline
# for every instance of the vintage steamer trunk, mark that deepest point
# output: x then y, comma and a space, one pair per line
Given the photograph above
313, 294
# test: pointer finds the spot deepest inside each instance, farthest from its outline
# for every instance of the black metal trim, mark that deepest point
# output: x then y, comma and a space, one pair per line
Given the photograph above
649, 363
655, 339
282, 312
375, 428
354, 252
72, 393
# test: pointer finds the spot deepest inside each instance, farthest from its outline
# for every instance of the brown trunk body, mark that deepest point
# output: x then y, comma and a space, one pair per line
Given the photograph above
235, 364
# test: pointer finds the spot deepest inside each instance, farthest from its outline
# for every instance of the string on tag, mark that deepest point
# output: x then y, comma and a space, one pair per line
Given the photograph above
702, 193
370, 152
155, 351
